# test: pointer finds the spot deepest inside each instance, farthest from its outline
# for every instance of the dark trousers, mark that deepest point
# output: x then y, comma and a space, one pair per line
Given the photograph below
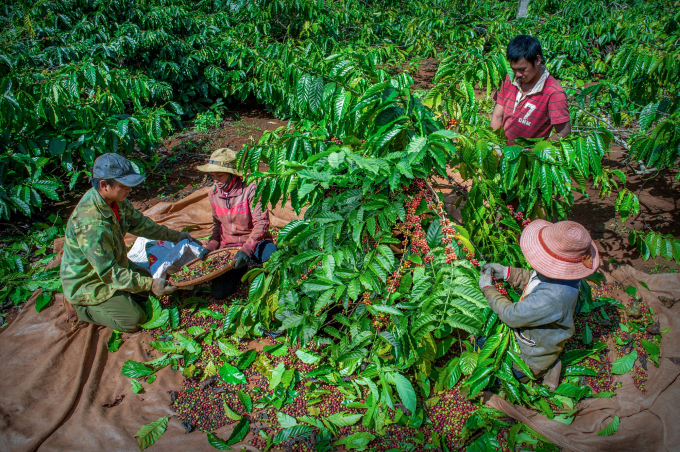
226, 284
122, 312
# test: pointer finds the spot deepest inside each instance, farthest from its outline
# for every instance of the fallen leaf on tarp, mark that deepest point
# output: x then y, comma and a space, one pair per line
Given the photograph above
667, 301
610, 429
115, 402
137, 388
43, 300
114, 341
654, 329
208, 382
149, 433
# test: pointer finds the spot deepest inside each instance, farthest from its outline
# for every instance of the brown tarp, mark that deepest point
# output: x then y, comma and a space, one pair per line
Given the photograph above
54, 383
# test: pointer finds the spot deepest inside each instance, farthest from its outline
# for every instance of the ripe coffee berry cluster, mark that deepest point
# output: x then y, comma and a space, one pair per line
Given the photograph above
451, 123
500, 288
519, 216
381, 321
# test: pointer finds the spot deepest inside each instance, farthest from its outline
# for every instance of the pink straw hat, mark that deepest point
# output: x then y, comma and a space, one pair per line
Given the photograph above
562, 250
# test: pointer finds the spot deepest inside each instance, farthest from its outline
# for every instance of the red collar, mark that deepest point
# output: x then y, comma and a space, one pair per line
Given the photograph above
114, 207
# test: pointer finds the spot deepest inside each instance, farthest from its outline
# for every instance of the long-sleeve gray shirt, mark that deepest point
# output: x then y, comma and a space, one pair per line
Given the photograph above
543, 320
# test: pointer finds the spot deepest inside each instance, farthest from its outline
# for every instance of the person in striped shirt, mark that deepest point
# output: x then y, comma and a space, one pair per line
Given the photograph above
533, 104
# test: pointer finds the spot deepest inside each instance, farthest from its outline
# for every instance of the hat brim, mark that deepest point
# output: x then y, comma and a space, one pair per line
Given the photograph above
547, 265
210, 168
131, 180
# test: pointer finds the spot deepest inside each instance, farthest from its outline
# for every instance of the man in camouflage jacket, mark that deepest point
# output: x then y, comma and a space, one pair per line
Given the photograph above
98, 280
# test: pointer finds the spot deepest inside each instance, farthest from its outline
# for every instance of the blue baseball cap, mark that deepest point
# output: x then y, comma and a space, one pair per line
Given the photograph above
118, 168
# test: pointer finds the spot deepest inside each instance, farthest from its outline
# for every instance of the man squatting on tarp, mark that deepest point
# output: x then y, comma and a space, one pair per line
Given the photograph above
561, 254
99, 281
237, 223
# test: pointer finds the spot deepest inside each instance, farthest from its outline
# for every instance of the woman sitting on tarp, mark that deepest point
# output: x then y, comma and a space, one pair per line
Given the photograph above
237, 222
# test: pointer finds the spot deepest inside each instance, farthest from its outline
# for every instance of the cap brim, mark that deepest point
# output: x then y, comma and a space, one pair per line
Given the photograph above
131, 180
210, 168
547, 265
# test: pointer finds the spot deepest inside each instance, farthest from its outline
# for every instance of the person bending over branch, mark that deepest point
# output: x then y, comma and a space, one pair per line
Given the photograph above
100, 283
236, 221
561, 254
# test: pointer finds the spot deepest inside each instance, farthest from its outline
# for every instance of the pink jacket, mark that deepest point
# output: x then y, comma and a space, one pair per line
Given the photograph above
236, 223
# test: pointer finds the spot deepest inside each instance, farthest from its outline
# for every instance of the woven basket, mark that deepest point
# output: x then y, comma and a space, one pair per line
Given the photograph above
212, 275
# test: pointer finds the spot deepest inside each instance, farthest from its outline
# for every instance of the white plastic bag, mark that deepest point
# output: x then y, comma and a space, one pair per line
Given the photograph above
178, 255
157, 256
137, 253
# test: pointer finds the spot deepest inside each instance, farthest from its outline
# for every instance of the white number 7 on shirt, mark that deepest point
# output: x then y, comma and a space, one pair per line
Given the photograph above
531, 108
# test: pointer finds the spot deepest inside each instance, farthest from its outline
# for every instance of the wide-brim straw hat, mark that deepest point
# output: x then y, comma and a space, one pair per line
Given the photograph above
221, 161
562, 250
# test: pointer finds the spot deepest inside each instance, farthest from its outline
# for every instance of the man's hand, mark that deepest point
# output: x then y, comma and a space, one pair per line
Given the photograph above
240, 259
485, 279
187, 236
497, 270
160, 287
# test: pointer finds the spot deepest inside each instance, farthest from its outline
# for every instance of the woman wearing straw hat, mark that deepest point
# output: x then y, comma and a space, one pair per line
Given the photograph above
561, 254
236, 221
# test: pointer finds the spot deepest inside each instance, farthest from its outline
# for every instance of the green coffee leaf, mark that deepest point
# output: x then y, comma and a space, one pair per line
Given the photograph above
228, 348
610, 429
276, 350
246, 359
133, 369
136, 386
149, 433
232, 375
579, 370
356, 441
230, 413
650, 347
624, 364
587, 337
245, 400
114, 341
344, 419
293, 432
307, 356
406, 391
285, 420
43, 300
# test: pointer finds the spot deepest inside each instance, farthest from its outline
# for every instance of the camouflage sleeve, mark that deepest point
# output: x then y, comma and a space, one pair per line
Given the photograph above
96, 242
143, 226
260, 219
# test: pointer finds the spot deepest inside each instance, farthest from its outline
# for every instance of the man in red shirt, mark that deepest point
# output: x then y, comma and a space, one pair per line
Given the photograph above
534, 103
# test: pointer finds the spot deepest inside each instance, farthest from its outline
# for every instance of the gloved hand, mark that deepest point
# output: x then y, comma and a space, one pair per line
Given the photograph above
187, 236
485, 279
240, 259
497, 270
160, 287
